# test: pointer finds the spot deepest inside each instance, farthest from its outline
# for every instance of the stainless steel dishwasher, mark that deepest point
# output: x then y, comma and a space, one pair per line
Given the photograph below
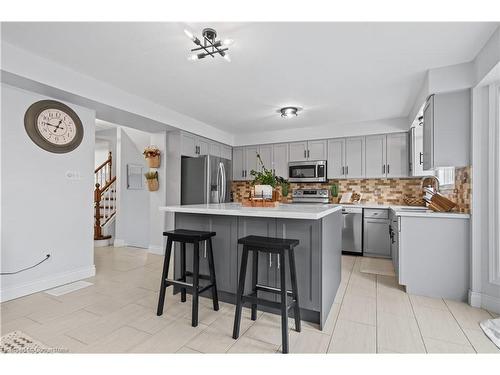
352, 233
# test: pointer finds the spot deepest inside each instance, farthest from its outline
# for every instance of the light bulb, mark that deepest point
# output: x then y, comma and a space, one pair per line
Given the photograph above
227, 57
189, 34
227, 42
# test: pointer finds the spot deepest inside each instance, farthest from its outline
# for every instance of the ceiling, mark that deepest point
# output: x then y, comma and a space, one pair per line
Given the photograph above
338, 72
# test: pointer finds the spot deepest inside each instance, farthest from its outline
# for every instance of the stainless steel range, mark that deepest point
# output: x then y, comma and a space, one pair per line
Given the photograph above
310, 196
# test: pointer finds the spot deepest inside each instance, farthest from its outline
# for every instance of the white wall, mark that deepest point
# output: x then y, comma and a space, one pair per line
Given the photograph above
43, 211
133, 206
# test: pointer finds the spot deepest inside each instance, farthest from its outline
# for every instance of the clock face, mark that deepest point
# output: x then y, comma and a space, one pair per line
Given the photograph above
53, 126
56, 126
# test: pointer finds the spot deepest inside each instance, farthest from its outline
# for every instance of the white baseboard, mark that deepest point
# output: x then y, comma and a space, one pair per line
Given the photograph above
119, 243
484, 301
474, 298
49, 282
155, 249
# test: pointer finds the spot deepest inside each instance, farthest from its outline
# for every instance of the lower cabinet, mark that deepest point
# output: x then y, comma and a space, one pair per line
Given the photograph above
376, 234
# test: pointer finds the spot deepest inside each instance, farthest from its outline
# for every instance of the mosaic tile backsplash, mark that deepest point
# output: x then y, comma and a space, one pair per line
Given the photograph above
382, 191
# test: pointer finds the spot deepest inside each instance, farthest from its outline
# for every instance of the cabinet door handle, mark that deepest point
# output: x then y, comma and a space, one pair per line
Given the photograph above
205, 251
388, 168
347, 170
420, 158
342, 171
305, 154
278, 258
383, 169
270, 261
308, 154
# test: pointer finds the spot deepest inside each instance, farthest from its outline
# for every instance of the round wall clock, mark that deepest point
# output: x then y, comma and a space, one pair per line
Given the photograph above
53, 126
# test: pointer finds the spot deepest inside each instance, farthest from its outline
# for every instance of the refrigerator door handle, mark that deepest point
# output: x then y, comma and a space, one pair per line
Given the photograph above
218, 183
223, 183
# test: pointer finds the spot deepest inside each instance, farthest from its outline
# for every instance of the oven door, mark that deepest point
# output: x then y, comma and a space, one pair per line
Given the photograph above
305, 172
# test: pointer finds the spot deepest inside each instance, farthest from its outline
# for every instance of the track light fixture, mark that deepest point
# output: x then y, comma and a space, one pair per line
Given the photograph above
209, 46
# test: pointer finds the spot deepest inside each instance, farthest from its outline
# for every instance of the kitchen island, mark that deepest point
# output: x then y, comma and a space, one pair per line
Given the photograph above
317, 257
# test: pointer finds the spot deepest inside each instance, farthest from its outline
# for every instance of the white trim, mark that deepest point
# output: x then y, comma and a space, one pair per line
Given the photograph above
474, 298
477, 187
155, 249
119, 243
493, 186
49, 282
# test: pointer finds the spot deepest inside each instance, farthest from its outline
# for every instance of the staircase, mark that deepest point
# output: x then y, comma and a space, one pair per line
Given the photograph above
104, 197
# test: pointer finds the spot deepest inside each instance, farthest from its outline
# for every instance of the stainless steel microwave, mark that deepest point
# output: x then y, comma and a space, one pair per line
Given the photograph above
307, 171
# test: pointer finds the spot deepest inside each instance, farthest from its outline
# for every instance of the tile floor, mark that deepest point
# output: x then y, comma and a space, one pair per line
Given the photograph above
371, 314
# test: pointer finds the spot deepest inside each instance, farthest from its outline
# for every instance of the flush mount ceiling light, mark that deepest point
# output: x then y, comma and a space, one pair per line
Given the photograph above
289, 112
209, 46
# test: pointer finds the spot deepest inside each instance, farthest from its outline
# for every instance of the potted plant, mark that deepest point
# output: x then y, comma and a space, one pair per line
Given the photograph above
152, 154
152, 179
265, 181
334, 192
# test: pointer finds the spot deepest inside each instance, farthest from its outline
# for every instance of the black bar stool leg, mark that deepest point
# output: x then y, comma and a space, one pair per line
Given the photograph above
293, 277
163, 285
239, 294
211, 266
196, 271
284, 310
255, 273
183, 270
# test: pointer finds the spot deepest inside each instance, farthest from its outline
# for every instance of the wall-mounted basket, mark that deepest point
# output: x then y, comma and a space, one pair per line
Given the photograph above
152, 154
152, 179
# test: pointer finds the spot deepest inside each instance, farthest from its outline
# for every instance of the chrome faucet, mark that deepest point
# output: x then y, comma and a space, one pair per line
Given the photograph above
434, 178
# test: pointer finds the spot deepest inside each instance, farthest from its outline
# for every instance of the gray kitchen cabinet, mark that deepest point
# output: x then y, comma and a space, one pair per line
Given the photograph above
215, 149
203, 146
317, 150
238, 164
225, 257
226, 152
376, 239
416, 148
280, 159
266, 154
447, 123
298, 151
251, 161
308, 150
433, 256
307, 255
397, 155
188, 145
354, 157
375, 156
335, 160
258, 226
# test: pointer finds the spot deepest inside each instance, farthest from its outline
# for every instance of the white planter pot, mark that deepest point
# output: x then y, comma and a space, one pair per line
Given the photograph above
263, 191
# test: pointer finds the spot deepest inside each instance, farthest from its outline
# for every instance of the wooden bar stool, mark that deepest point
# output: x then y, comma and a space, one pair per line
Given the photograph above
268, 245
184, 236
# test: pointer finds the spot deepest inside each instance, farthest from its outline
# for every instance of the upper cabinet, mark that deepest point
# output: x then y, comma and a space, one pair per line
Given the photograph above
238, 164
397, 155
346, 158
335, 161
446, 130
386, 155
354, 157
194, 146
375, 155
280, 160
416, 146
308, 150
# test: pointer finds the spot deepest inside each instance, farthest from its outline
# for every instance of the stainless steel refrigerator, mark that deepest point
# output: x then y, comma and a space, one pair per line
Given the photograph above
205, 179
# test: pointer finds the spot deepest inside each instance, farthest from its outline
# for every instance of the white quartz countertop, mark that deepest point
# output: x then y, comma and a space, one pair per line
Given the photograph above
285, 211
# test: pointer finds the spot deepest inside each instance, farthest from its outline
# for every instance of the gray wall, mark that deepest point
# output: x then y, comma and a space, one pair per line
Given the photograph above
42, 210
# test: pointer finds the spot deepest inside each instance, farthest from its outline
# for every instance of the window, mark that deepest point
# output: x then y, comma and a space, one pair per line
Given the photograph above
446, 177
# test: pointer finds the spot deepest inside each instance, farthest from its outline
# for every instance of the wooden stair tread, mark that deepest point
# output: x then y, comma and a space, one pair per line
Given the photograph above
101, 238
